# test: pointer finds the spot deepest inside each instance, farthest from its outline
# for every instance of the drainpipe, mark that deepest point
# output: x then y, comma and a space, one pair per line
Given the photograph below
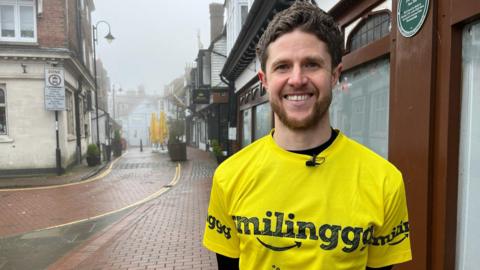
232, 110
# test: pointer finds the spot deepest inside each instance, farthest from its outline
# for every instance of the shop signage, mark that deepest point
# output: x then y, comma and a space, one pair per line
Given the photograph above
411, 15
201, 96
54, 89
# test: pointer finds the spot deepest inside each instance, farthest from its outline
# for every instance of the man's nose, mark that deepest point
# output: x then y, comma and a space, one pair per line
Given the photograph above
297, 77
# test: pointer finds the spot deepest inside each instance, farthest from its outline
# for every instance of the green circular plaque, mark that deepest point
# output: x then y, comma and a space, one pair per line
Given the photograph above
411, 15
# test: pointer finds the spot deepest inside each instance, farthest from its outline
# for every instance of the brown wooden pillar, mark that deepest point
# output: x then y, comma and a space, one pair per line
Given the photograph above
410, 133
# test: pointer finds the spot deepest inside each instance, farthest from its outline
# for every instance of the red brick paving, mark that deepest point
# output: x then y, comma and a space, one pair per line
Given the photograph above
27, 210
164, 233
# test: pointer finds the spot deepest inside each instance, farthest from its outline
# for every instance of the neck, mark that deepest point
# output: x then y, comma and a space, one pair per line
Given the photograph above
289, 139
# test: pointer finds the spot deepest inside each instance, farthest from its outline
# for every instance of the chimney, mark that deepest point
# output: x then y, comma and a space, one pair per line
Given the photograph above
216, 20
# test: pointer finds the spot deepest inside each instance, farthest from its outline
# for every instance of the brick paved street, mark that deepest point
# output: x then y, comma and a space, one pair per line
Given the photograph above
164, 233
133, 178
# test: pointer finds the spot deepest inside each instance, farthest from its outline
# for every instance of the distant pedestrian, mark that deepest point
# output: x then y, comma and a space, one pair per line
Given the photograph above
306, 196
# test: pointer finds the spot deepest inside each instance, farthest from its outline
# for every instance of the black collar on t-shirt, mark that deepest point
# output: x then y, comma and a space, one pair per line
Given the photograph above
317, 150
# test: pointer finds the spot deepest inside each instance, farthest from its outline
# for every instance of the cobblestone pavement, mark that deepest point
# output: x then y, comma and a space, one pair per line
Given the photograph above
164, 233
134, 177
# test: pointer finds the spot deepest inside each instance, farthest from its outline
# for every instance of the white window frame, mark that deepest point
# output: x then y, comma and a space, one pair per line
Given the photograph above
16, 11
4, 105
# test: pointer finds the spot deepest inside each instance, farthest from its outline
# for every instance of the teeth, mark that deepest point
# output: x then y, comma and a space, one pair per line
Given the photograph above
296, 97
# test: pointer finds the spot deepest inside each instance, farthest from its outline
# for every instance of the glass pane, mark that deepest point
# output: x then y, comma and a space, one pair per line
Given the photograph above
3, 121
26, 22
247, 127
360, 105
263, 120
2, 97
244, 13
469, 171
7, 21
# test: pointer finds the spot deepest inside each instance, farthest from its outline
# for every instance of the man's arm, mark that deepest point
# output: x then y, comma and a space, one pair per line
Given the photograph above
383, 268
227, 263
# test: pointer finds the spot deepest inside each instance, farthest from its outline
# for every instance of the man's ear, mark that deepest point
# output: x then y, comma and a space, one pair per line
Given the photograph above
336, 74
263, 78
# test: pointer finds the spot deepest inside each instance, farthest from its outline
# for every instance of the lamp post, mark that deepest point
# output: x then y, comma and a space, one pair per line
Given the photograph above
109, 37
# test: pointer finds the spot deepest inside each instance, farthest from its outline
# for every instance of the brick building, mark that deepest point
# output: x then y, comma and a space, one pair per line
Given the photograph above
36, 36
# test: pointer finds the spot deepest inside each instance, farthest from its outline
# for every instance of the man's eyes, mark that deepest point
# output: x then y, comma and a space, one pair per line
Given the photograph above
312, 65
282, 67
307, 65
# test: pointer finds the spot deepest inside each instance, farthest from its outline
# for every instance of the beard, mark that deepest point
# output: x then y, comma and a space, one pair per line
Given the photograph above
319, 110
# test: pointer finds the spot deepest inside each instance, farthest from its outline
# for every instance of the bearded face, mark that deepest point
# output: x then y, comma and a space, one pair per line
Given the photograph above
299, 79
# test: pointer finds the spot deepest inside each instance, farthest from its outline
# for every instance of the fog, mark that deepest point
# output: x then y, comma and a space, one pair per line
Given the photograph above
154, 40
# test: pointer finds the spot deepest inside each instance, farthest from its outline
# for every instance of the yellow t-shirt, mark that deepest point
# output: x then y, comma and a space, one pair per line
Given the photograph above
273, 212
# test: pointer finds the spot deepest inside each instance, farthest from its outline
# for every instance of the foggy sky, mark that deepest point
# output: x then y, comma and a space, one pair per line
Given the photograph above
154, 39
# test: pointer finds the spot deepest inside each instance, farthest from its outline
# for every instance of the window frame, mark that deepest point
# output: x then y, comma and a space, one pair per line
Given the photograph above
364, 21
17, 4
4, 105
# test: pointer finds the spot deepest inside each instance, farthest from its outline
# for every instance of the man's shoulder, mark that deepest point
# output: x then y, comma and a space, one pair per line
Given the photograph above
366, 156
243, 159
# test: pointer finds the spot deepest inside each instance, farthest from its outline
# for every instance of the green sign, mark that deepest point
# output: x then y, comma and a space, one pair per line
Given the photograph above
201, 96
411, 15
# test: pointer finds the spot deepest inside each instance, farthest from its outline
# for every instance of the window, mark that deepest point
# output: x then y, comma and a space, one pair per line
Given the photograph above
70, 116
263, 120
3, 111
469, 159
243, 14
17, 20
247, 127
360, 105
373, 28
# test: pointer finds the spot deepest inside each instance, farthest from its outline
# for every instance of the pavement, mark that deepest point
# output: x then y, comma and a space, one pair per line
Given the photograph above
77, 173
163, 206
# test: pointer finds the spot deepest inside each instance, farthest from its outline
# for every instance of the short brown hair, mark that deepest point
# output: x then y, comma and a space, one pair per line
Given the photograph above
308, 18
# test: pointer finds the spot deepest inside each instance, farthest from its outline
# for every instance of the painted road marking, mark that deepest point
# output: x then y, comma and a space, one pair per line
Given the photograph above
151, 197
96, 177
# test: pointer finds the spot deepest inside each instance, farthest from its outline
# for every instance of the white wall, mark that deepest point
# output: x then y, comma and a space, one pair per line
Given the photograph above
30, 142
218, 61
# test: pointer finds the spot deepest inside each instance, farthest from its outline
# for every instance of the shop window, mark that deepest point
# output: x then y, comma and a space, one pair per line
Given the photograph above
374, 27
17, 20
360, 105
3, 111
70, 115
469, 159
246, 127
263, 120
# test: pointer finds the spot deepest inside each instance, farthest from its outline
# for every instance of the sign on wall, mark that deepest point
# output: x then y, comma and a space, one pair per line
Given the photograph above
201, 96
411, 15
54, 89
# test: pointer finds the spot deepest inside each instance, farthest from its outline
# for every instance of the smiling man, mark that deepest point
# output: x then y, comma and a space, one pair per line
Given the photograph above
306, 196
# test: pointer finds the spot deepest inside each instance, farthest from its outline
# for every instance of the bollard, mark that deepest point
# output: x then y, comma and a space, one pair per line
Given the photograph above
141, 146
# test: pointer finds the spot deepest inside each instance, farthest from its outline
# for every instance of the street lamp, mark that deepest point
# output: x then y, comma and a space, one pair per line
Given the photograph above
109, 37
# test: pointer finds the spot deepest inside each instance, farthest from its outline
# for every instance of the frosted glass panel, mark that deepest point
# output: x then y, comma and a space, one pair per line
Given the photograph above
247, 127
468, 247
263, 120
360, 105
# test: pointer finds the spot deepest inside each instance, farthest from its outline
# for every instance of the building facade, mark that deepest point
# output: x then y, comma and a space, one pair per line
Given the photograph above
36, 36
208, 106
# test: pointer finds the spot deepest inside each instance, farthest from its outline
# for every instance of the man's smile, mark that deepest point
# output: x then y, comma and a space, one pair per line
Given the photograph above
297, 97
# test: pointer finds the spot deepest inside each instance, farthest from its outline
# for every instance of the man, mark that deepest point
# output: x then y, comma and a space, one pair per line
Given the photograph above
306, 196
